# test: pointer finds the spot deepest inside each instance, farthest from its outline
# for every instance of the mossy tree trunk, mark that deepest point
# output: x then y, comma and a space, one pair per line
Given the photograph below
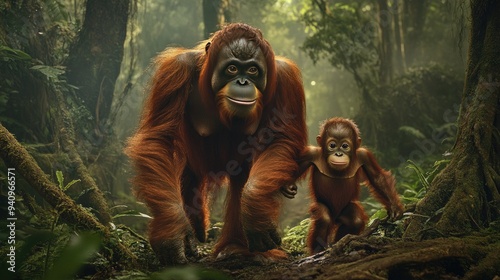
16, 156
95, 58
464, 197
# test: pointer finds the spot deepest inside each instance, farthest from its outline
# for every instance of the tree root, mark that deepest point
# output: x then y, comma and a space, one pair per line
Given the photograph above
356, 257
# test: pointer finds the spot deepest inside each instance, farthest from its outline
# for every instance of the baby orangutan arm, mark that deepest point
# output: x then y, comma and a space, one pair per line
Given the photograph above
381, 183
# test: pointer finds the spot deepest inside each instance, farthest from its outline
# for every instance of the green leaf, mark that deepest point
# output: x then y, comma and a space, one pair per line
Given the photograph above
79, 250
412, 131
71, 184
8, 53
420, 173
60, 179
52, 73
380, 214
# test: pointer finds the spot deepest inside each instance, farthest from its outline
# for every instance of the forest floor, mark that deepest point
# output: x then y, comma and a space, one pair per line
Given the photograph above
366, 256
476, 256
471, 257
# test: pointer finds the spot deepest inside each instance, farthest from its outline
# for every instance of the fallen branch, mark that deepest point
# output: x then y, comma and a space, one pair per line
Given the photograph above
67, 138
16, 156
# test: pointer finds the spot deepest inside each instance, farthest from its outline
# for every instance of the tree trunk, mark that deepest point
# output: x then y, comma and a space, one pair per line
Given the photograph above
210, 18
465, 196
23, 26
95, 58
415, 12
214, 15
399, 58
385, 52
36, 96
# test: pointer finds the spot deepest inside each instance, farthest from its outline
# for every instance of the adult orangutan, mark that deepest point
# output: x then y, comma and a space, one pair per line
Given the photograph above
339, 165
225, 112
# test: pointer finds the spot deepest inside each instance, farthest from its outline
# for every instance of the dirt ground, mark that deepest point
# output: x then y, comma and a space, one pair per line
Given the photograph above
355, 257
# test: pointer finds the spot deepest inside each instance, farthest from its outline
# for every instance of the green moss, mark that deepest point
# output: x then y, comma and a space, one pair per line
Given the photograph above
294, 240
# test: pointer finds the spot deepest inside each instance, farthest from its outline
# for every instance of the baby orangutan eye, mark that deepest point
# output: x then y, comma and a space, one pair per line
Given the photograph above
332, 146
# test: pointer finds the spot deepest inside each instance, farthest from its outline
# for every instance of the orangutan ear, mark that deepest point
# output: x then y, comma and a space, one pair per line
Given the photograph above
207, 46
318, 139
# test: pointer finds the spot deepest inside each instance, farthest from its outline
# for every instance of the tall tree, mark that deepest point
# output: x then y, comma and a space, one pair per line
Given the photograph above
386, 45
465, 195
215, 14
399, 62
24, 27
414, 15
95, 58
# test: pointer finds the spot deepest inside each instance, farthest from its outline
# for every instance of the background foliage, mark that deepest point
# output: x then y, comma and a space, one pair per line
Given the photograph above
407, 113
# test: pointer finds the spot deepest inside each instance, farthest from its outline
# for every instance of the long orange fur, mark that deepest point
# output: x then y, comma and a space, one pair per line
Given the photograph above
175, 166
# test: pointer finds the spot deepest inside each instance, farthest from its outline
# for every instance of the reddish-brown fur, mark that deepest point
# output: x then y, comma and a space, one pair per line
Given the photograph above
175, 166
335, 210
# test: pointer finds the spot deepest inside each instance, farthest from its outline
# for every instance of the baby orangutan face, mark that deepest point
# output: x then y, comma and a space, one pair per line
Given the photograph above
338, 143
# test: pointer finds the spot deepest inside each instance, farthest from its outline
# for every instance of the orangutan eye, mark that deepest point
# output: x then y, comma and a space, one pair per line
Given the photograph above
332, 146
232, 70
253, 71
345, 146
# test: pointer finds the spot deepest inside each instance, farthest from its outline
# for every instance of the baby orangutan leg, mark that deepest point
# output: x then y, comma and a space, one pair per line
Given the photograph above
320, 228
351, 220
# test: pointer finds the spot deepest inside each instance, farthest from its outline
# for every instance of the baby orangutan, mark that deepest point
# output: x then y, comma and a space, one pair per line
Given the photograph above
339, 165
